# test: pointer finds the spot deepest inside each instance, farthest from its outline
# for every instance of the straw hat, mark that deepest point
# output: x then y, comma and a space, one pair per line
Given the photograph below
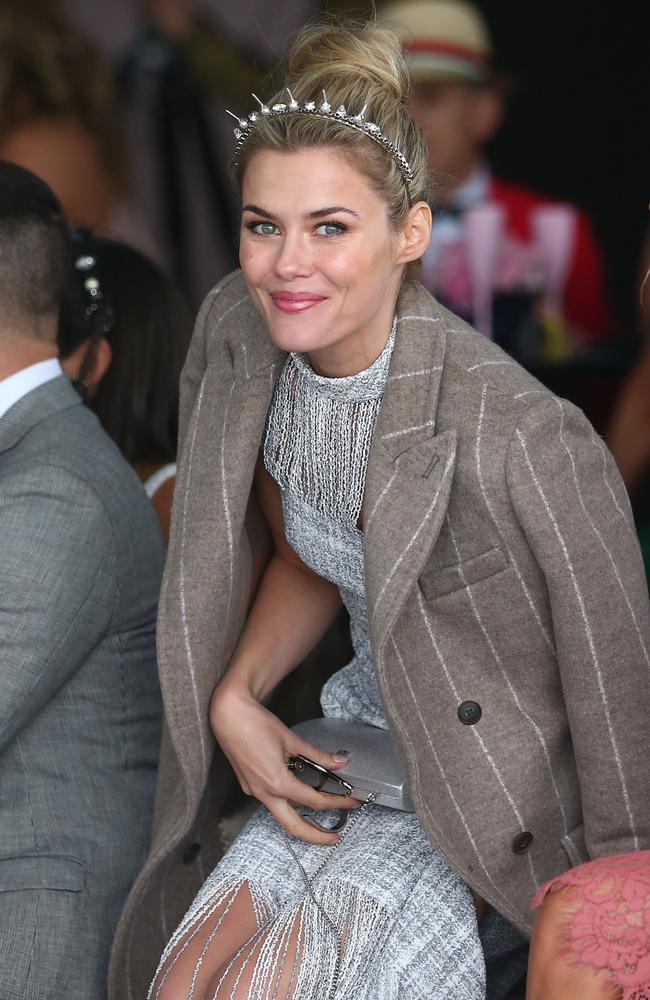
443, 39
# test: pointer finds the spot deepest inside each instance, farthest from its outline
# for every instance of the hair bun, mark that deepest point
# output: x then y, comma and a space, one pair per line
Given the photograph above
340, 56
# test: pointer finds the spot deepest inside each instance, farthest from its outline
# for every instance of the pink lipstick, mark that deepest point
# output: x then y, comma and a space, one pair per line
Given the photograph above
295, 302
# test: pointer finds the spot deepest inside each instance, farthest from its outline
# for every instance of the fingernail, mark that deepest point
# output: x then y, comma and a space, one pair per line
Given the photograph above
341, 756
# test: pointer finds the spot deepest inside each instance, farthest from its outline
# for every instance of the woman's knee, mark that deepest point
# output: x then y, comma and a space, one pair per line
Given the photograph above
270, 961
556, 967
209, 943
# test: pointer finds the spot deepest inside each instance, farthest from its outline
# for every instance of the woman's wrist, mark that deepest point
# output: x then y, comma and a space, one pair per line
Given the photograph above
233, 692
229, 692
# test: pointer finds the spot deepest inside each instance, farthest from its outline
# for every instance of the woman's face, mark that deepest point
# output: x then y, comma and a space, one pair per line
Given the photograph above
321, 260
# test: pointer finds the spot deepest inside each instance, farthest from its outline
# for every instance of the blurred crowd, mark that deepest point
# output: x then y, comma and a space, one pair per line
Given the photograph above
120, 112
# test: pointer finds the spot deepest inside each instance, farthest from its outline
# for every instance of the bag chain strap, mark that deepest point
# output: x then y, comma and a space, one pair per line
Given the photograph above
309, 887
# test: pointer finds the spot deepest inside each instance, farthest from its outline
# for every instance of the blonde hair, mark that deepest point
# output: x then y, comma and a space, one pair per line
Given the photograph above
356, 64
49, 69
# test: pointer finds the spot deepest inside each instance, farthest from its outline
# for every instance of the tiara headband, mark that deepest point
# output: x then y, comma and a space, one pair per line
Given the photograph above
245, 126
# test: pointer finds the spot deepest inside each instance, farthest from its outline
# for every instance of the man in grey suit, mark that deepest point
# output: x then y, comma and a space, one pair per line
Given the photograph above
81, 558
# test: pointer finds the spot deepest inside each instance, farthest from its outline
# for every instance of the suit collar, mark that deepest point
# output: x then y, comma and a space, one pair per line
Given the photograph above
39, 404
15, 386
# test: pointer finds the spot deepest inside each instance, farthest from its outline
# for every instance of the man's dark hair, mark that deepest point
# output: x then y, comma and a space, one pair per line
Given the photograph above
34, 246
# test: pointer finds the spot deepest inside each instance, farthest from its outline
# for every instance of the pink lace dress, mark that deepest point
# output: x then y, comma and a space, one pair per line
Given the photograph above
608, 919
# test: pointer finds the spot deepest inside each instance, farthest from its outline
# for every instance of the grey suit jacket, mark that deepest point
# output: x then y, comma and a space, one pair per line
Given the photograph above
507, 601
81, 559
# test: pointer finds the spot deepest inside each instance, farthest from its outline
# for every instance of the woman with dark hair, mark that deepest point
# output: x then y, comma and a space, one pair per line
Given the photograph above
123, 337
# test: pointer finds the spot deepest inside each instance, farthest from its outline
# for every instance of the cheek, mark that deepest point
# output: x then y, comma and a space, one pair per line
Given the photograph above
349, 265
253, 260
365, 277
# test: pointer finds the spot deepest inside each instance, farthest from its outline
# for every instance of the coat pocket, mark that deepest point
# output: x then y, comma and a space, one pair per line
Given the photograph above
41, 871
42, 925
440, 582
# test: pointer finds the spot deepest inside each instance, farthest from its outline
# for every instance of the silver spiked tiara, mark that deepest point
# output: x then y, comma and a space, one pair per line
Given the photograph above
245, 126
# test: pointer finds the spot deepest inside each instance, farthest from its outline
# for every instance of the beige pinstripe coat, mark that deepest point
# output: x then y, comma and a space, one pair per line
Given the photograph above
502, 568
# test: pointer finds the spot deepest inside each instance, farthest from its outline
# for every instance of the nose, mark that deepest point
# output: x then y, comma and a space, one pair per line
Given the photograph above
293, 258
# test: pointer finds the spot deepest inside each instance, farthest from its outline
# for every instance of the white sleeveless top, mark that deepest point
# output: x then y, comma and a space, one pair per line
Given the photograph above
158, 479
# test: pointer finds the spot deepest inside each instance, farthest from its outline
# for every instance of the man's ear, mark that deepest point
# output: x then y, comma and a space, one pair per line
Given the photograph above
90, 358
101, 362
414, 237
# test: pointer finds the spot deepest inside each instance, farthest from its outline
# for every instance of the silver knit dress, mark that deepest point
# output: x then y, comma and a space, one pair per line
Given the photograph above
408, 921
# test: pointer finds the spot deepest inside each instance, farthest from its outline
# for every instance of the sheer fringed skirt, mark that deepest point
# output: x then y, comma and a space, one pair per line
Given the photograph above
388, 920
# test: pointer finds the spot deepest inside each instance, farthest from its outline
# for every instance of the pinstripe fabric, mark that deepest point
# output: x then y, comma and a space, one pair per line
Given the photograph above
81, 560
501, 568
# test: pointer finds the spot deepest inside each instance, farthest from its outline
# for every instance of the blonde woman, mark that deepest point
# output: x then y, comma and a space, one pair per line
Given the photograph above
480, 537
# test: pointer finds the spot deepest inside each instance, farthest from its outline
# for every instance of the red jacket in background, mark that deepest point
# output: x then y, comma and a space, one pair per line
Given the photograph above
586, 307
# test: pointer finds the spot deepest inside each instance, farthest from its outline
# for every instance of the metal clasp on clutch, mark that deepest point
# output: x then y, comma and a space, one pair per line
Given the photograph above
318, 777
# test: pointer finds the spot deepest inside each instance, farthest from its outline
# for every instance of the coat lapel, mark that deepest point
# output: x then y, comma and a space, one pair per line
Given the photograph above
204, 596
410, 468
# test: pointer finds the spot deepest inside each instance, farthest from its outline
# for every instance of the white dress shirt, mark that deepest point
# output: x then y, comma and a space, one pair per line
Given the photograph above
18, 385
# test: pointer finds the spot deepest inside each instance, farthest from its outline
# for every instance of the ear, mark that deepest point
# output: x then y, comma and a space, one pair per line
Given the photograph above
488, 114
103, 356
414, 237
92, 359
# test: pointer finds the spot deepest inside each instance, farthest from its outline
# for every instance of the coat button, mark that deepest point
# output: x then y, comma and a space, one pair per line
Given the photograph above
522, 842
469, 712
191, 853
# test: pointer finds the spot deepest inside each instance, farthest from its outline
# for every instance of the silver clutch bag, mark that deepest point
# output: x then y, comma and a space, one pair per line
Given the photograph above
373, 767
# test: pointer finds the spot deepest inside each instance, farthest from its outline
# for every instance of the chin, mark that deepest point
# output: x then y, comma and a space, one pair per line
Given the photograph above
296, 335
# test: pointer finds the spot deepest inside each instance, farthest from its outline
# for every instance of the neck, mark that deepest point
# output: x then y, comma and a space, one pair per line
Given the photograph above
18, 352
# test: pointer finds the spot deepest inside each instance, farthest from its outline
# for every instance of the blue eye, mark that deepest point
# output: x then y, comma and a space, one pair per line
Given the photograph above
331, 229
263, 228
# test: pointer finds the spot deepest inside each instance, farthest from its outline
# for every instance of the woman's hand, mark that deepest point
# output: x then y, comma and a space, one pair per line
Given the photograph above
259, 746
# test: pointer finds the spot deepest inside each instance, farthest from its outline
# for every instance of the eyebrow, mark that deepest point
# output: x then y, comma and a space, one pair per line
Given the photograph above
318, 214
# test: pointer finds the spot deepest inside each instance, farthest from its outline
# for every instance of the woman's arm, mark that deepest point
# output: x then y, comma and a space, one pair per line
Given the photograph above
292, 610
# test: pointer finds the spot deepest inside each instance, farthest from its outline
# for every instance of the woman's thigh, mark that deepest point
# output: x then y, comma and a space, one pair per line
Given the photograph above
213, 934
266, 966
390, 900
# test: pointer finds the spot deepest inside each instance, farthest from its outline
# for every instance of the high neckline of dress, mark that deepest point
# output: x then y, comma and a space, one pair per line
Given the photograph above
367, 384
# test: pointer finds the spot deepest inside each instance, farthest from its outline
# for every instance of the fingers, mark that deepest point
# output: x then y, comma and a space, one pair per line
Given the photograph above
332, 761
305, 795
296, 826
